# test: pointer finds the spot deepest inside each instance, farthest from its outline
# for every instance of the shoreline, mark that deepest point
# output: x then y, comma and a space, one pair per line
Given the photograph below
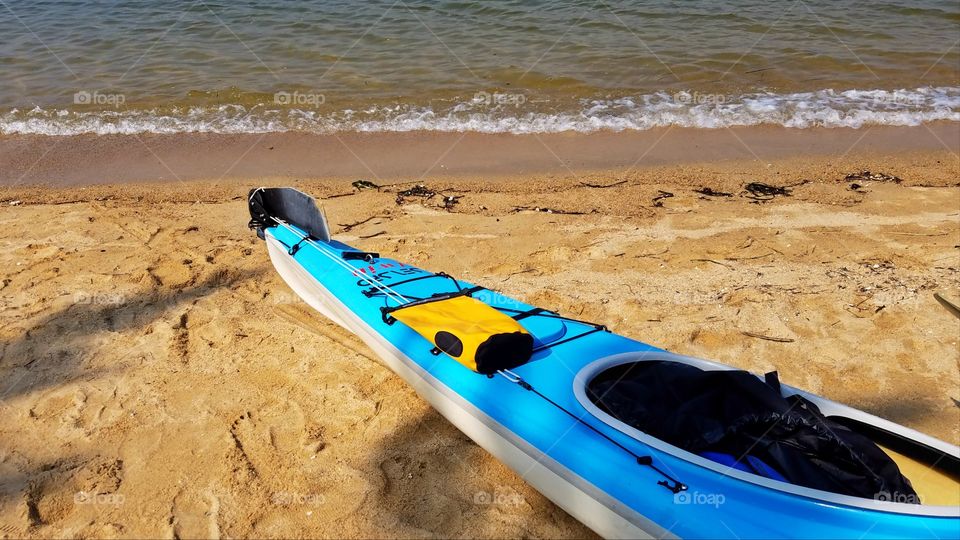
92, 159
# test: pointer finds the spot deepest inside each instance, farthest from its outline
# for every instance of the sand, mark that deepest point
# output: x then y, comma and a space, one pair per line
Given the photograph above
95, 159
158, 379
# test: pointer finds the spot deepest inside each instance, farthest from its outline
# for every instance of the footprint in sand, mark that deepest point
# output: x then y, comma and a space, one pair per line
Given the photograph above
195, 514
78, 410
58, 491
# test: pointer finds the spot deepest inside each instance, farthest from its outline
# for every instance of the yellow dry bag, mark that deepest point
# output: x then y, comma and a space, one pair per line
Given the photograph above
475, 334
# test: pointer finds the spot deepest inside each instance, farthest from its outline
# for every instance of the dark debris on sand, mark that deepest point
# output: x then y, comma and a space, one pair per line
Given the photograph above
760, 192
549, 210
418, 191
873, 177
710, 192
424, 194
449, 201
361, 185
661, 196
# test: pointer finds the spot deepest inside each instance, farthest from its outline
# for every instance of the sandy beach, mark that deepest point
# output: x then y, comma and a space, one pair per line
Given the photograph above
160, 380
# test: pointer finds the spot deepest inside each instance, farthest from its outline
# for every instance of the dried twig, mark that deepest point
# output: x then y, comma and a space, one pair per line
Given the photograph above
654, 255
547, 210
510, 275
714, 262
919, 234
602, 186
709, 192
348, 226
768, 338
749, 258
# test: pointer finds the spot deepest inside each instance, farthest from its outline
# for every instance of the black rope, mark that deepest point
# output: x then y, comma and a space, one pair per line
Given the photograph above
518, 314
598, 328
387, 310
528, 313
540, 312
671, 483
296, 247
545, 313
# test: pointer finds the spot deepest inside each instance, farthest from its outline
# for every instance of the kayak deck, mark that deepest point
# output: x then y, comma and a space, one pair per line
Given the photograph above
605, 465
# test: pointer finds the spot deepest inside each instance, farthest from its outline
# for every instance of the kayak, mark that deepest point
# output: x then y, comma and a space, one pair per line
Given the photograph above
630, 439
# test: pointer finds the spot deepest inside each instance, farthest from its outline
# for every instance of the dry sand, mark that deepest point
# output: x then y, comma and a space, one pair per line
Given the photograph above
158, 379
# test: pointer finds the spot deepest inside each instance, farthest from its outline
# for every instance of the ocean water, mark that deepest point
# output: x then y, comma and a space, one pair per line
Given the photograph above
516, 66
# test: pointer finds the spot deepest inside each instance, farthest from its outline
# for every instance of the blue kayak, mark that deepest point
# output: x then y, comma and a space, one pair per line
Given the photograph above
522, 382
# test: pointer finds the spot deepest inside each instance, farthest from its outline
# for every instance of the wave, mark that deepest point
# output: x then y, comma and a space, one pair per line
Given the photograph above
519, 113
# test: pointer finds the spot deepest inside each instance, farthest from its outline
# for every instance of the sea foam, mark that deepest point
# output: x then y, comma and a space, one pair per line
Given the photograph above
524, 113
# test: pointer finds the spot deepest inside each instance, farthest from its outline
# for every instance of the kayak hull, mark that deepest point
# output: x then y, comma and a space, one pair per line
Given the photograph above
593, 480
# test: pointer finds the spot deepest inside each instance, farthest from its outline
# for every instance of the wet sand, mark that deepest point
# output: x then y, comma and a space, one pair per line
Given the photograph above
158, 379
92, 159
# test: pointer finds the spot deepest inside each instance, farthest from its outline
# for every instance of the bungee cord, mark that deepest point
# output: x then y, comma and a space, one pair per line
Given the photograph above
326, 252
387, 291
675, 486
